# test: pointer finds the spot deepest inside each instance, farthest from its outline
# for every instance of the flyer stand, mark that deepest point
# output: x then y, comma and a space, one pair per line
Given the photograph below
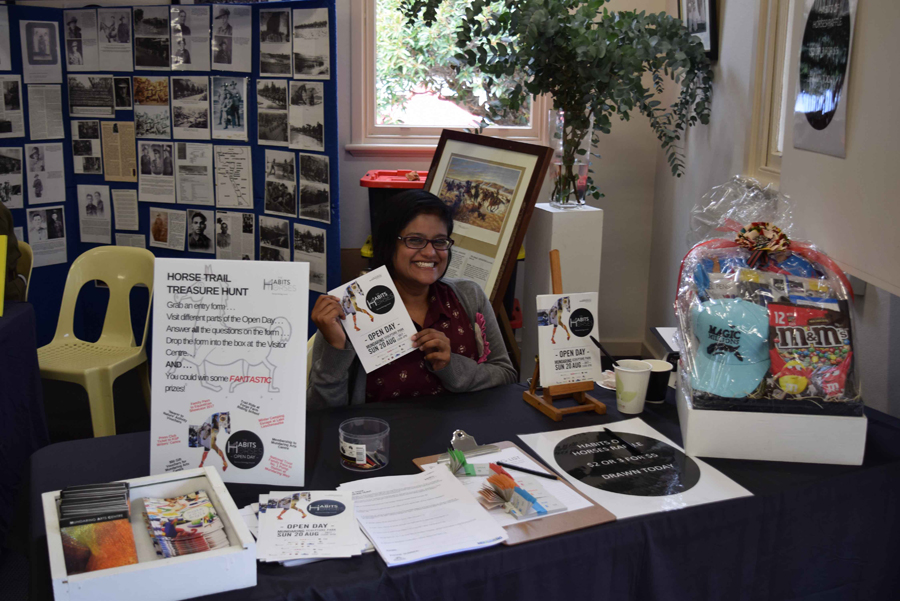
550, 394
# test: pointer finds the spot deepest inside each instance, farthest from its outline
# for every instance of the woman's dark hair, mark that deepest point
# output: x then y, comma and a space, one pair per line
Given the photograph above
399, 211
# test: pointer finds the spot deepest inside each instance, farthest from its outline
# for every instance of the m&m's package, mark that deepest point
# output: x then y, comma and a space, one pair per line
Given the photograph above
764, 318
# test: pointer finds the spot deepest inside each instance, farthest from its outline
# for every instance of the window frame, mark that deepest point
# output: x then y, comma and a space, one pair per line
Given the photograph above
772, 75
369, 139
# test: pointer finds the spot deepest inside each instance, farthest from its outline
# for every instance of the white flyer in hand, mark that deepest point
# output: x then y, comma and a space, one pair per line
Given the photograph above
565, 324
377, 323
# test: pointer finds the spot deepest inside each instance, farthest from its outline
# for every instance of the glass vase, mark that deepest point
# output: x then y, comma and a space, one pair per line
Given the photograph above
571, 143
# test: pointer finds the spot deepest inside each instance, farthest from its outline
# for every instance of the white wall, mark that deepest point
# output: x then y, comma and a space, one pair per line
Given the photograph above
625, 174
712, 154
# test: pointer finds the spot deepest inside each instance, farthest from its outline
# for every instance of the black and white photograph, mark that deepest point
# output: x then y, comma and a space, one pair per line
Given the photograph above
11, 177
307, 116
274, 233
156, 181
12, 117
94, 214
275, 43
235, 235
309, 246
232, 31
91, 96
181, 51
229, 108
45, 175
194, 173
122, 87
190, 107
273, 127
81, 40
315, 192
190, 37
311, 45
272, 94
12, 96
151, 107
74, 54
699, 17
115, 39
168, 228
272, 117
151, 37
41, 60
269, 253
86, 147
281, 186
200, 228
47, 235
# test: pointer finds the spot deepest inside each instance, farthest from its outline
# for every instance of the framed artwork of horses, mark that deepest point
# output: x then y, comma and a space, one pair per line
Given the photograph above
491, 185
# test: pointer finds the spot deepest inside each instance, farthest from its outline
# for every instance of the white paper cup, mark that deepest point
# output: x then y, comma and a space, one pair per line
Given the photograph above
632, 378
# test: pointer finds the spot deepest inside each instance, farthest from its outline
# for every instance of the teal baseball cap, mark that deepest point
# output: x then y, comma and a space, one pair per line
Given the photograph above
733, 351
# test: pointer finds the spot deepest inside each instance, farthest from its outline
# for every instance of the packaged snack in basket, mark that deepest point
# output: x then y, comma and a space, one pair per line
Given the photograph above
765, 321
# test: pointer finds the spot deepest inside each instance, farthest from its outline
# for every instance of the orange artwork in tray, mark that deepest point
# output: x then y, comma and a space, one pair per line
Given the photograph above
98, 546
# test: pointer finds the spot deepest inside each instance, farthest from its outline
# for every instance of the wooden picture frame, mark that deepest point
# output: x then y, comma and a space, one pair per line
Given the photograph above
492, 185
700, 18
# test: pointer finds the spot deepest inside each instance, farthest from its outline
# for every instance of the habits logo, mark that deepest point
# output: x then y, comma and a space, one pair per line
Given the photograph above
380, 299
278, 285
581, 322
326, 508
244, 450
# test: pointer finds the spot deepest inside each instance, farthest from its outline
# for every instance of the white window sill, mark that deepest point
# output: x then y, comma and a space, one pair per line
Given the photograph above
421, 151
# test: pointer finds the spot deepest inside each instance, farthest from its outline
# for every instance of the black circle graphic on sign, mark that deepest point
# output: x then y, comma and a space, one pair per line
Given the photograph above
380, 299
824, 55
581, 322
601, 461
326, 508
244, 450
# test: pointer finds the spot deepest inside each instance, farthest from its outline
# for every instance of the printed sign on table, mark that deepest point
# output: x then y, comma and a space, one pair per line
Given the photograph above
229, 340
565, 324
377, 323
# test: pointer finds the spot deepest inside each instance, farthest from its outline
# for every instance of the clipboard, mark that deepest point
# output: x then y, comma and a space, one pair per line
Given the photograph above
551, 525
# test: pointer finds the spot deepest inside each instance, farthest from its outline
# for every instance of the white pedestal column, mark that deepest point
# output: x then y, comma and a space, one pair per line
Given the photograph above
578, 236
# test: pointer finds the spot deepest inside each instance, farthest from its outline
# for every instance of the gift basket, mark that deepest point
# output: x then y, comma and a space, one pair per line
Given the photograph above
764, 318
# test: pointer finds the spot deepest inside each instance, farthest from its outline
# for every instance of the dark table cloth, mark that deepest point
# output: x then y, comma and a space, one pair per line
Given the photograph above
814, 532
23, 425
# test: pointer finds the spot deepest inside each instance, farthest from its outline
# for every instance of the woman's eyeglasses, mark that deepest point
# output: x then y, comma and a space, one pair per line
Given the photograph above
418, 242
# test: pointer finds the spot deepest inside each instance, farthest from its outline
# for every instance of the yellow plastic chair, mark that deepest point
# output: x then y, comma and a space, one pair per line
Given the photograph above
96, 365
24, 264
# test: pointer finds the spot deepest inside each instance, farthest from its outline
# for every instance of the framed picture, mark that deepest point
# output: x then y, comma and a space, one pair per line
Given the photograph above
699, 16
491, 185
41, 43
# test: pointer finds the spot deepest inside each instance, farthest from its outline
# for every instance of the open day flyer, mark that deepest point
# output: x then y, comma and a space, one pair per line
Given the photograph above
565, 324
229, 378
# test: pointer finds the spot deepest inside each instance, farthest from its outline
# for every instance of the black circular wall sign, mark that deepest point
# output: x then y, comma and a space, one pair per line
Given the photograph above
824, 54
244, 450
600, 460
581, 322
380, 299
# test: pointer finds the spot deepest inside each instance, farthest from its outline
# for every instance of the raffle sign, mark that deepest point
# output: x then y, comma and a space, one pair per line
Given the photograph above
229, 378
565, 324
376, 321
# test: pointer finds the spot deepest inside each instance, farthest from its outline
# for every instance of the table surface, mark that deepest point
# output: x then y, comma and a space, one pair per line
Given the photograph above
23, 425
810, 532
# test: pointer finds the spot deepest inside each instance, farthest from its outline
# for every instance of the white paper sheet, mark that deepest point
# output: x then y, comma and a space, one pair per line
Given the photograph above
157, 172
135, 240
657, 478
5, 56
194, 173
232, 32
309, 246
87, 156
125, 207
190, 108
151, 107
274, 239
307, 115
229, 108
45, 174
272, 113
41, 54
275, 43
45, 112
47, 235
412, 518
120, 162
234, 178
236, 236
281, 183
151, 37
12, 117
11, 177
122, 87
167, 228
312, 57
80, 29
315, 191
377, 322
115, 39
190, 37
94, 219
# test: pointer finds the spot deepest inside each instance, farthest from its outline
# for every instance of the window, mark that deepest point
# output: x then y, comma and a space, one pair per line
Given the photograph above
771, 105
402, 98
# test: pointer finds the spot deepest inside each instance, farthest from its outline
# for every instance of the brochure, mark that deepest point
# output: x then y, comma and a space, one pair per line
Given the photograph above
377, 323
565, 324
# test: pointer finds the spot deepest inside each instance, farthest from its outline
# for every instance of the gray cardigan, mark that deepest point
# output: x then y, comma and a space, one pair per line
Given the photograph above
337, 377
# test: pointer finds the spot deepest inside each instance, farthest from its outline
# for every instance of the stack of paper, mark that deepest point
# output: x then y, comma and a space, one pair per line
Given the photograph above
184, 525
303, 526
411, 518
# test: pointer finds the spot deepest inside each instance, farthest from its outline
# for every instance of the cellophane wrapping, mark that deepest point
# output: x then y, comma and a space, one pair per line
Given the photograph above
764, 318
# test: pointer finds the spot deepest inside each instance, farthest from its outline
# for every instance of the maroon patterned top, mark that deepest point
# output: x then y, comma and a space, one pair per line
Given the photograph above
408, 377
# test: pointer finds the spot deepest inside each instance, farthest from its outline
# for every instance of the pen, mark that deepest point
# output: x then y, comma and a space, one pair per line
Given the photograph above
627, 445
527, 471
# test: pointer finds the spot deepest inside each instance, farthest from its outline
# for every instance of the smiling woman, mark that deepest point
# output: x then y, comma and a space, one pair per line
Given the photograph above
461, 349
